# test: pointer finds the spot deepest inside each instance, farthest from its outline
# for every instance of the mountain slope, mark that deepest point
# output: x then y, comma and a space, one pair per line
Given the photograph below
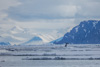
57, 40
18, 35
5, 43
36, 40
87, 32
16, 29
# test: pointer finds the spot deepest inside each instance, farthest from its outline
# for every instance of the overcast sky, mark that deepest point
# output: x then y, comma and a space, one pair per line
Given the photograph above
47, 14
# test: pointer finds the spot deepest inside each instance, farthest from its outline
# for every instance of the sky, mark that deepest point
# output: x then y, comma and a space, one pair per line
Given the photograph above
46, 15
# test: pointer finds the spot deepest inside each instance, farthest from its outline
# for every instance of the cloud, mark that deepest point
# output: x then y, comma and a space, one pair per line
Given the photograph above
47, 24
54, 17
88, 9
46, 13
4, 5
54, 9
5, 21
42, 9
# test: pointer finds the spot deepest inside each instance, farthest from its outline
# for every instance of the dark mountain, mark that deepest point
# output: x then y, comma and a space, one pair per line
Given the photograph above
36, 38
87, 32
5, 43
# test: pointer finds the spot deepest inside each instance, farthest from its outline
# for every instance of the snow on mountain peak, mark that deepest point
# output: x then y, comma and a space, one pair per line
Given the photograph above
46, 38
77, 28
82, 25
16, 29
94, 24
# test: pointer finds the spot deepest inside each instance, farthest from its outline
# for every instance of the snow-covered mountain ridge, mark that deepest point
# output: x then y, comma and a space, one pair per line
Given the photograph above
18, 35
87, 32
